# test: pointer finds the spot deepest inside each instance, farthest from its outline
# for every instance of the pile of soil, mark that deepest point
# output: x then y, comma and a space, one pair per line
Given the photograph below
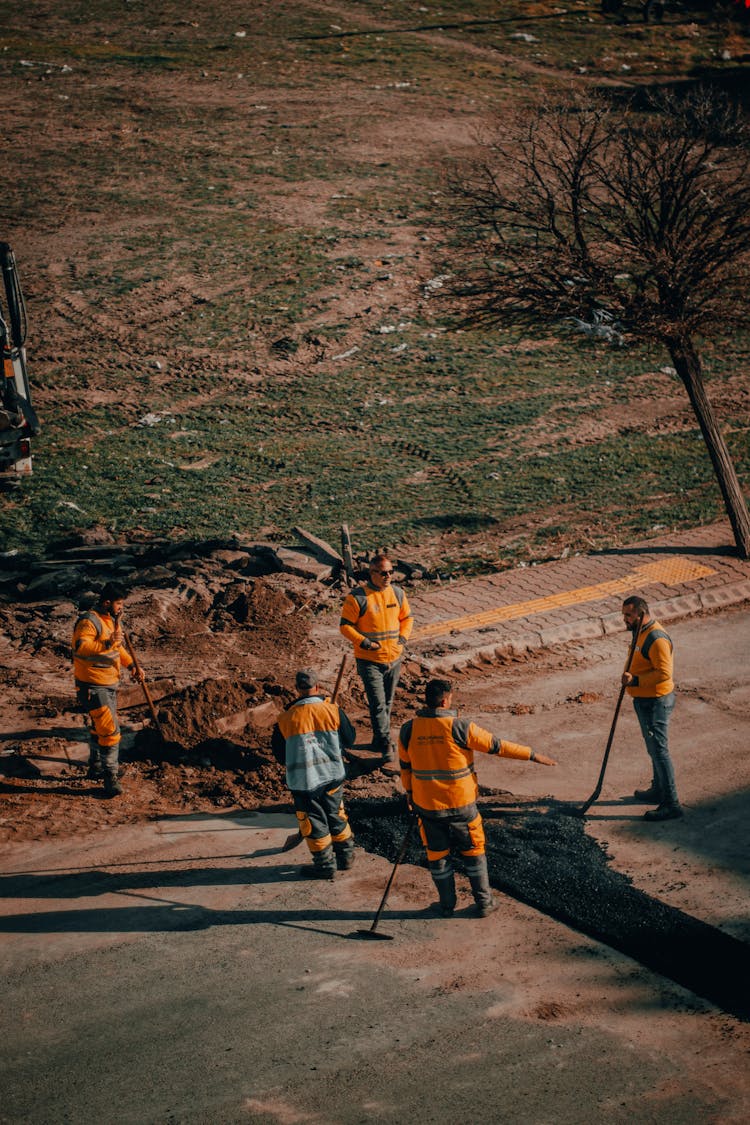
219, 652
194, 719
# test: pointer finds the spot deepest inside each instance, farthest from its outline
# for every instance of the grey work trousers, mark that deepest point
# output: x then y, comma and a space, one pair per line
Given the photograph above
99, 702
380, 683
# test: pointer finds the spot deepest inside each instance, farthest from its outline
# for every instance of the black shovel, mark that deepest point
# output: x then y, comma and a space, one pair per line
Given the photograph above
581, 812
372, 934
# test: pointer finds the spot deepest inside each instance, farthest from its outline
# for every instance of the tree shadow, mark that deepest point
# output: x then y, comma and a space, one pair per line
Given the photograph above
93, 881
730, 80
465, 521
725, 550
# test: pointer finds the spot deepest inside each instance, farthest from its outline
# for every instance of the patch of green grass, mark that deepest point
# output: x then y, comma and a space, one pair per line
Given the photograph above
217, 207
318, 449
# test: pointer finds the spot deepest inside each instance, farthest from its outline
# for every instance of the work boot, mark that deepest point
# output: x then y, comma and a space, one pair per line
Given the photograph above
476, 869
323, 864
112, 787
445, 884
648, 796
488, 908
385, 750
665, 812
345, 858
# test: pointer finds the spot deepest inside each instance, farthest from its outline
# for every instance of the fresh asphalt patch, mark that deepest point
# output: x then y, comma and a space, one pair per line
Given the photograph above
546, 860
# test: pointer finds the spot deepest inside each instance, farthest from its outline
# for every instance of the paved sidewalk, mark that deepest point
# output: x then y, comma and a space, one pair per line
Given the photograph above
577, 598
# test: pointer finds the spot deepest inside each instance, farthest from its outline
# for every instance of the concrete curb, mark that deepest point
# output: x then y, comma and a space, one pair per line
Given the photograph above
526, 638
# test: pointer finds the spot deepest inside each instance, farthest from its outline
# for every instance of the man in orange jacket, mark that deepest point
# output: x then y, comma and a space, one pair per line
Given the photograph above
377, 619
650, 683
98, 655
436, 752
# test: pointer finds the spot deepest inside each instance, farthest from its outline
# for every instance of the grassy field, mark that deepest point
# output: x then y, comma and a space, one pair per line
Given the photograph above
223, 226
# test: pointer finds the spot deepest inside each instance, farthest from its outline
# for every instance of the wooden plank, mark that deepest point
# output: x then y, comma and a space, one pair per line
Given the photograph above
322, 550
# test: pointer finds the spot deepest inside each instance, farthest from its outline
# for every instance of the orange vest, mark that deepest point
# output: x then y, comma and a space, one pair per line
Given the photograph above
652, 663
313, 749
377, 615
95, 661
436, 752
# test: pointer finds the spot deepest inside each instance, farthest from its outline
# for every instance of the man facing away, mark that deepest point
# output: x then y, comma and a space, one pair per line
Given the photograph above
436, 752
377, 619
98, 656
308, 740
649, 681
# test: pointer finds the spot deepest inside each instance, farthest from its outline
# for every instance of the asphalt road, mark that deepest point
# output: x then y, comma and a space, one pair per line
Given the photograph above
182, 972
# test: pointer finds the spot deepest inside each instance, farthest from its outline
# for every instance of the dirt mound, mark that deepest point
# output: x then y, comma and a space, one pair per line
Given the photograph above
255, 604
219, 652
207, 710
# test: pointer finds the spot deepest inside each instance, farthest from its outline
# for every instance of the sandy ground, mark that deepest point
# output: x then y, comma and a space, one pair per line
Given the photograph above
211, 984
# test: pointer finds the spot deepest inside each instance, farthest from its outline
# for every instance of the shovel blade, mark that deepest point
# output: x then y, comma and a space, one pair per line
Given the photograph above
371, 935
291, 842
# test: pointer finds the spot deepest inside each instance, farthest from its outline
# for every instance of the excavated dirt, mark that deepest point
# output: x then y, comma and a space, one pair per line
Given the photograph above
219, 649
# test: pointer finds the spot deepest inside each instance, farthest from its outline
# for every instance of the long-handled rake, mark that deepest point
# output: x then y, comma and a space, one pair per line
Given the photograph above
372, 934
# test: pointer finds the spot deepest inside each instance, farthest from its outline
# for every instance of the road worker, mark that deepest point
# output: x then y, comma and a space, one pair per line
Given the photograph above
377, 619
99, 654
649, 681
436, 754
308, 740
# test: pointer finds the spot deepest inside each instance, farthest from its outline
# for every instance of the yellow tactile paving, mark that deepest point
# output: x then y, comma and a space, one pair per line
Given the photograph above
671, 572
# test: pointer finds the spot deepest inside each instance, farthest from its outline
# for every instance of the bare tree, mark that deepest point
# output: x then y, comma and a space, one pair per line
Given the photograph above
635, 222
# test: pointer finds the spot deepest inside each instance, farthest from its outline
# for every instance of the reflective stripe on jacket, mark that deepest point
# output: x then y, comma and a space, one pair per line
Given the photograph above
436, 753
652, 663
377, 615
95, 661
310, 729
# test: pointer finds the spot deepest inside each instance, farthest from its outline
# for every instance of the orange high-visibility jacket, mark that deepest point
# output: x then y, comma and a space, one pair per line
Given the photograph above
436, 755
377, 615
95, 661
652, 663
311, 730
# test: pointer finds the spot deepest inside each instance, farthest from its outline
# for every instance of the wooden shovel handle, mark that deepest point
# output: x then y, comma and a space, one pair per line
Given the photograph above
339, 677
141, 680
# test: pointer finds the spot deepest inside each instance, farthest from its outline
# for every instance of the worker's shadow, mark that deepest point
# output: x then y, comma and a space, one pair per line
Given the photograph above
46, 787
155, 909
175, 916
88, 882
71, 734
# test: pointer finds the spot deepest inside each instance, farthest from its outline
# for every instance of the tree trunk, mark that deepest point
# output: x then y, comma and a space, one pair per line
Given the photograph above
688, 366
